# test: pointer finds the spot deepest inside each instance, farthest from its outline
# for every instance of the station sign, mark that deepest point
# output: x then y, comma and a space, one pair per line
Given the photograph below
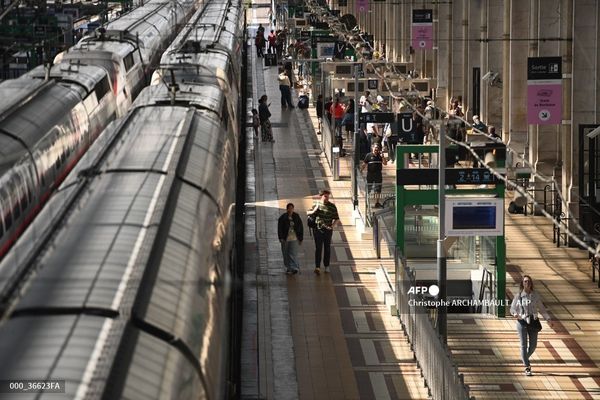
422, 29
339, 50
544, 90
407, 129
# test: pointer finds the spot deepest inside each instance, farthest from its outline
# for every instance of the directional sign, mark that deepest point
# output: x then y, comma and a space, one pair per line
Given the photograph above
377, 117
544, 90
422, 29
408, 132
339, 51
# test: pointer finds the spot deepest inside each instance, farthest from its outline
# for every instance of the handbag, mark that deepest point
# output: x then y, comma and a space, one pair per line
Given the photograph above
535, 324
530, 321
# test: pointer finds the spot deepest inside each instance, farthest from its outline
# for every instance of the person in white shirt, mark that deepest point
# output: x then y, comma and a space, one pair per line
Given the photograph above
366, 103
525, 307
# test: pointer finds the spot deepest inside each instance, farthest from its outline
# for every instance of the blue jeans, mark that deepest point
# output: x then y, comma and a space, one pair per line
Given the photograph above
525, 334
290, 249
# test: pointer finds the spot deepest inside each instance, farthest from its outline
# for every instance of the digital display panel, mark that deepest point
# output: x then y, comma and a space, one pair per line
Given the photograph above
421, 86
478, 217
361, 86
474, 216
343, 69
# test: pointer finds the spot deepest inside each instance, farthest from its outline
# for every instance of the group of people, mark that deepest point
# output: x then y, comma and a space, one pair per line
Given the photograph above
275, 41
290, 231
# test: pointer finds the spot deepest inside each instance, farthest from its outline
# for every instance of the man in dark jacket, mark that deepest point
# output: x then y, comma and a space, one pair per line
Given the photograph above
291, 233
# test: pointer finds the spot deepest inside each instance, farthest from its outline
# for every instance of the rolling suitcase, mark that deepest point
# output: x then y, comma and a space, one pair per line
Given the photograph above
270, 60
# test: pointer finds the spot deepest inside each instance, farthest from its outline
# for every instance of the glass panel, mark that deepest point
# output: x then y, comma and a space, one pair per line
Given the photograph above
421, 231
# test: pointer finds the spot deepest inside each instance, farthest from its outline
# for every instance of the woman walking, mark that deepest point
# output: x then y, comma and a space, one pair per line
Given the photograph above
525, 307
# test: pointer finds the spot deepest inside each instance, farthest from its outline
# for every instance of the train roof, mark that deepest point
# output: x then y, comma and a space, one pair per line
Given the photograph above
200, 91
87, 76
213, 29
91, 271
89, 48
146, 20
16, 91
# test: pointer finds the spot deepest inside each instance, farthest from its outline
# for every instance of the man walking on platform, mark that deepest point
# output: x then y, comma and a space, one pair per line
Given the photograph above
374, 163
291, 233
327, 217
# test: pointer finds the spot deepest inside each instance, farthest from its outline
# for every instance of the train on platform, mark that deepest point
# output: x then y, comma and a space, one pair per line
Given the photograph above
126, 290
50, 116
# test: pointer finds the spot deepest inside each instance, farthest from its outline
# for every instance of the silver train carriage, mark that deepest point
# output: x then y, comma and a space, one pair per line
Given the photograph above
207, 50
129, 47
45, 127
48, 119
120, 287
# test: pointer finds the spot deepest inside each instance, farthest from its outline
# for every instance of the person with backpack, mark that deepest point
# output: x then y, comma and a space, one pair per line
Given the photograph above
326, 217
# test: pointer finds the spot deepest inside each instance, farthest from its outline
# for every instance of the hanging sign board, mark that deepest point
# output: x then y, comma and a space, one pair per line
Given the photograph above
544, 90
362, 6
422, 30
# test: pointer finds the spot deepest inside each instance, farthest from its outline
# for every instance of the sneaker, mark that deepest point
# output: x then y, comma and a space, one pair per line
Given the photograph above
528, 371
318, 271
295, 271
289, 271
326, 270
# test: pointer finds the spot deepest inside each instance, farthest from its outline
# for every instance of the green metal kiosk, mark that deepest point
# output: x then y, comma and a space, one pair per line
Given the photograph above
417, 221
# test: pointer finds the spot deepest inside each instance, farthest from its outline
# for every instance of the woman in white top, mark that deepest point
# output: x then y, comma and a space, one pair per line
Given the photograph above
525, 307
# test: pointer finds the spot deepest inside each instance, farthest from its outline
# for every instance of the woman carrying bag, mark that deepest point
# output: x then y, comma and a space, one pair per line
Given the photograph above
525, 307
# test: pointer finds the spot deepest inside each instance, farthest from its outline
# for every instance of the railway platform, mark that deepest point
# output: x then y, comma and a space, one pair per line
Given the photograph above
331, 336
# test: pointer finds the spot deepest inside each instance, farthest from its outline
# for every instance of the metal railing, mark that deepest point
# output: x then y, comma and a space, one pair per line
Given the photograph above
432, 355
327, 140
382, 232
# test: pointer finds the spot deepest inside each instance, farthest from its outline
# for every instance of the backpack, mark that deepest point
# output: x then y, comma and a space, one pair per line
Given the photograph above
303, 102
311, 221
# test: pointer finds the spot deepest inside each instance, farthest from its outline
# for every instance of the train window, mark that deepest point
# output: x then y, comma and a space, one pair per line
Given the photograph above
7, 216
128, 61
17, 198
102, 88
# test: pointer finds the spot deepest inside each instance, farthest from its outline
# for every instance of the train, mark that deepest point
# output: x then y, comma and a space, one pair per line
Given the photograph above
121, 287
51, 115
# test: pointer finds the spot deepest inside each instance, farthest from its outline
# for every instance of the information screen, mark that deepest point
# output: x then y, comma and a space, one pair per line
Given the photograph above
474, 216
478, 217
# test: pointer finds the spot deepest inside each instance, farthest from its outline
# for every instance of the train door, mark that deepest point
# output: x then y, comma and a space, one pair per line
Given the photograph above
589, 179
